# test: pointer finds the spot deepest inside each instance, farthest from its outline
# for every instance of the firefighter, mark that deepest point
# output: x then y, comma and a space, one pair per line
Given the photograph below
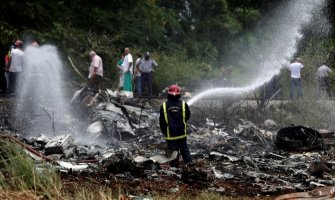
173, 118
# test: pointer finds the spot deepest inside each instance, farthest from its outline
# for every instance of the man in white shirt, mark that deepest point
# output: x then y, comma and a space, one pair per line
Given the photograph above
323, 78
127, 66
15, 66
296, 88
95, 71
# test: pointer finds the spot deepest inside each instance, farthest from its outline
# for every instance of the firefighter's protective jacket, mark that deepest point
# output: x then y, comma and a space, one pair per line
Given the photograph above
173, 118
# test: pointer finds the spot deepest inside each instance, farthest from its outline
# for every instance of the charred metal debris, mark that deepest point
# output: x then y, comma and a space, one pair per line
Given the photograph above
121, 138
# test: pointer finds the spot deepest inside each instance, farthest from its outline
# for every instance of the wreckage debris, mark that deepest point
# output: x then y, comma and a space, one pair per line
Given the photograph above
318, 169
246, 156
58, 144
113, 117
121, 162
298, 138
228, 157
197, 173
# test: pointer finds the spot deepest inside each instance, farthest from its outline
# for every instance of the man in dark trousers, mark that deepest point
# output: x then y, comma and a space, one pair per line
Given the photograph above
15, 68
147, 69
173, 118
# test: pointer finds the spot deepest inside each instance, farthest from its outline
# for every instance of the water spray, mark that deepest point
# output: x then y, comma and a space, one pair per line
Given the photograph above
274, 52
41, 100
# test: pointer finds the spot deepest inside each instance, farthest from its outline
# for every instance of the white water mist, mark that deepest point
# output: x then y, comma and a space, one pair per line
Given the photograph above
40, 99
274, 52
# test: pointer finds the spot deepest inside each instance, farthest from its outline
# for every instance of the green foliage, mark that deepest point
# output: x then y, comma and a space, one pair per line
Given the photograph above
309, 112
203, 50
316, 52
18, 172
7, 33
285, 82
208, 33
178, 69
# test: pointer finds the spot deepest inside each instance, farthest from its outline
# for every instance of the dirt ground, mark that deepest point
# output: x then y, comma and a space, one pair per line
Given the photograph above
144, 187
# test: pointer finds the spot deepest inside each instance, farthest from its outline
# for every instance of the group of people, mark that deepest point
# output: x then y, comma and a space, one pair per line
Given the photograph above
322, 74
14, 65
133, 76
139, 74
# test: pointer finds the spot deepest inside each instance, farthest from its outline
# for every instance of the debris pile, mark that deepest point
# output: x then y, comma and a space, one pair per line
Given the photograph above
255, 160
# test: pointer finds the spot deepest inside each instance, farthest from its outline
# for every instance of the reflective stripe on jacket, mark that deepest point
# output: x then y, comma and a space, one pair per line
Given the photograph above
175, 119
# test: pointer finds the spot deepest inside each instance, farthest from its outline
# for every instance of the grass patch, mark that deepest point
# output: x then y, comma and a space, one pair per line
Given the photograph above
18, 172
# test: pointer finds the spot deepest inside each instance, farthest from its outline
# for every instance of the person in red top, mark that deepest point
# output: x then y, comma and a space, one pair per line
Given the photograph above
7, 62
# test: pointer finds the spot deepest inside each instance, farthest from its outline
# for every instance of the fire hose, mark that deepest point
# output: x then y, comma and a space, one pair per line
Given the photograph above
31, 150
76, 69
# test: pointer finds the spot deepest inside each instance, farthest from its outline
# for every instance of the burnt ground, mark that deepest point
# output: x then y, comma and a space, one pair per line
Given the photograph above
162, 186
6, 112
249, 168
158, 184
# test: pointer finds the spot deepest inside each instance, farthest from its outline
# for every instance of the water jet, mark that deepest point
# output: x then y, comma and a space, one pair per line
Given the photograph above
273, 52
41, 105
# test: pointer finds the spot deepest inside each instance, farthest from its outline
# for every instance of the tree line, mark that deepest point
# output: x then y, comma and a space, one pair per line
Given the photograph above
190, 38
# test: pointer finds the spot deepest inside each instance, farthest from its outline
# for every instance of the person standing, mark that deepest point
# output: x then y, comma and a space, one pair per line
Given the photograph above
323, 78
95, 72
147, 68
127, 67
121, 75
7, 63
173, 118
137, 75
15, 66
296, 85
